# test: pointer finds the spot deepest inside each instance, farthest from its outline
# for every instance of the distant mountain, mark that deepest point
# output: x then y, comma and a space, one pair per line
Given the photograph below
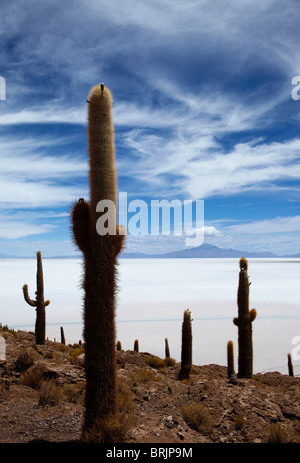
5, 256
204, 251
294, 255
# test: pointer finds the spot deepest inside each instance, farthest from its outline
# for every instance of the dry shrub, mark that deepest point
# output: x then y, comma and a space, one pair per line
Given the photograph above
114, 427
143, 376
198, 418
32, 378
158, 363
75, 353
277, 434
50, 394
74, 392
61, 347
169, 361
239, 422
25, 359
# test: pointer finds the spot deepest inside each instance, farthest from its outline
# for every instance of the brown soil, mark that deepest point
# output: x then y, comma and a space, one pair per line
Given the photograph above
247, 412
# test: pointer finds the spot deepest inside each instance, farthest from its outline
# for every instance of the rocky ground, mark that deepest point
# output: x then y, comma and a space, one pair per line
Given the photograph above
42, 390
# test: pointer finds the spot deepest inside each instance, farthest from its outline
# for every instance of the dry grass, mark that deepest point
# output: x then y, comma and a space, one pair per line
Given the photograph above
26, 359
239, 422
113, 428
50, 394
32, 378
74, 393
277, 434
143, 376
198, 418
75, 353
158, 363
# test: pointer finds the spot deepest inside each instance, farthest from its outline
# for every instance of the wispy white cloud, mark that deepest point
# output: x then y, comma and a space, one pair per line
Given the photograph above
33, 177
10, 229
45, 114
29, 194
280, 235
265, 227
204, 169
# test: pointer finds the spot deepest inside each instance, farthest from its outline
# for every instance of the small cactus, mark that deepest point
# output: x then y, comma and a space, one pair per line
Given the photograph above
136, 346
62, 335
230, 359
244, 323
186, 346
290, 365
119, 345
167, 350
39, 302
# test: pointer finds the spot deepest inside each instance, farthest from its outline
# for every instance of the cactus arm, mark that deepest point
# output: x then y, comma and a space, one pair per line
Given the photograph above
27, 298
81, 224
252, 315
236, 321
47, 302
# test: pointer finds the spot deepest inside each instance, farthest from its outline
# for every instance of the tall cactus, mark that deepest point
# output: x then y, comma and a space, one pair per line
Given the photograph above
39, 302
244, 323
186, 346
100, 259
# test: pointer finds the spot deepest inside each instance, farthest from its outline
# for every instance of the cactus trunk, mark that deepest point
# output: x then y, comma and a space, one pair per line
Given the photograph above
100, 260
39, 302
244, 323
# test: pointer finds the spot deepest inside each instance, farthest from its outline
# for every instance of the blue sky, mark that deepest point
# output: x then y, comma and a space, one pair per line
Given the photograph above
202, 110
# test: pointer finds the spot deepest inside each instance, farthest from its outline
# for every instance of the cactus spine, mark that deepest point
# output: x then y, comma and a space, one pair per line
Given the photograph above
100, 259
39, 302
244, 323
186, 346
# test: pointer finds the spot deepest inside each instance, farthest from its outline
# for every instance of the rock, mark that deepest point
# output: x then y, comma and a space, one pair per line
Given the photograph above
233, 379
